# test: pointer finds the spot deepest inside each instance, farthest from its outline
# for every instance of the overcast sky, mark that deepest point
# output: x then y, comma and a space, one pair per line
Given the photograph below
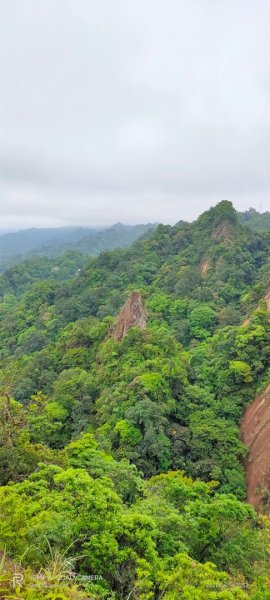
132, 110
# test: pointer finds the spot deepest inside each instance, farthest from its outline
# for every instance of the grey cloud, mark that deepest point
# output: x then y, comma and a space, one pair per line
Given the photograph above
135, 111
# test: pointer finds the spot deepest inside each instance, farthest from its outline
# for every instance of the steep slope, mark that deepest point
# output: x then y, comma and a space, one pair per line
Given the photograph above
266, 300
123, 389
52, 327
255, 430
132, 315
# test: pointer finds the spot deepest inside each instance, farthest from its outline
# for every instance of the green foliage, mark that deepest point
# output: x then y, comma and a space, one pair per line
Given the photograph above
18, 457
255, 220
241, 370
183, 578
124, 457
67, 241
84, 453
202, 320
176, 526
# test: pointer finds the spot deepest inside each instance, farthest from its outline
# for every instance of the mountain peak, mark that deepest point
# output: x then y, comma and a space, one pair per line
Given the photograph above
220, 221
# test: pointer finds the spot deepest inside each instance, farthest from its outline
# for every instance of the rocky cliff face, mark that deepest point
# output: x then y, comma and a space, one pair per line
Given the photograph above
266, 299
224, 231
255, 430
132, 315
204, 266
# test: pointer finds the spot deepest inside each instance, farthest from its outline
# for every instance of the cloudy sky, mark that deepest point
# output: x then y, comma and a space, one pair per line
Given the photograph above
132, 110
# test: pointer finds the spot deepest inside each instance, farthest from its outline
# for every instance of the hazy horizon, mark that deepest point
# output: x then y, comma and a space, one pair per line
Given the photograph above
104, 226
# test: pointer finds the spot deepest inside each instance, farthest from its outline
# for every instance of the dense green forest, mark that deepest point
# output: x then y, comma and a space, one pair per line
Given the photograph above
29, 243
255, 220
121, 463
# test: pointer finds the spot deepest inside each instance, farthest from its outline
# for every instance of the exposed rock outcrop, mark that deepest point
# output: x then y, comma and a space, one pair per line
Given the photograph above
224, 231
246, 322
204, 266
266, 299
255, 431
132, 315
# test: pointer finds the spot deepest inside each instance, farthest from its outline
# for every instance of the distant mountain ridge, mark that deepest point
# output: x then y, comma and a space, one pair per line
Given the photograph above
255, 220
17, 246
52, 242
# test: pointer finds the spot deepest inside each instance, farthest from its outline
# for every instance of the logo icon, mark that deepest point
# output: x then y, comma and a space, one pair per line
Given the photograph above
17, 580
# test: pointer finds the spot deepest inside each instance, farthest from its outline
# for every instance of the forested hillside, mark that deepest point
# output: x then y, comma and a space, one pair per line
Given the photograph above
124, 380
255, 220
26, 244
